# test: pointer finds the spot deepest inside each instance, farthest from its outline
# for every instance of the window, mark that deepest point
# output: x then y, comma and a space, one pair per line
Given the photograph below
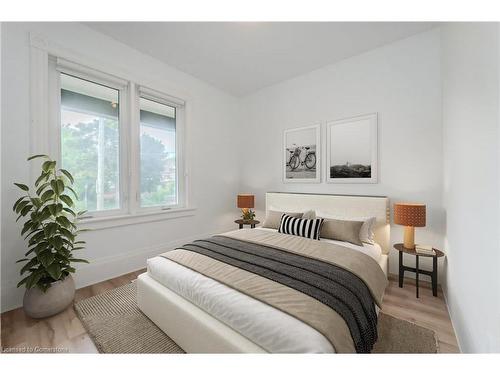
122, 142
90, 142
158, 154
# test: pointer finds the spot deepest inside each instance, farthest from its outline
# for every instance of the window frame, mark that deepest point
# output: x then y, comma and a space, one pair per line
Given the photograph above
59, 66
129, 132
179, 105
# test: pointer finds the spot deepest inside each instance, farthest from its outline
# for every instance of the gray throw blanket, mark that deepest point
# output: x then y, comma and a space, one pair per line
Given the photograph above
333, 286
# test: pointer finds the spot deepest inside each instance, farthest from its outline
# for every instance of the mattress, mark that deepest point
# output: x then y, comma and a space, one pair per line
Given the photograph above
373, 250
270, 328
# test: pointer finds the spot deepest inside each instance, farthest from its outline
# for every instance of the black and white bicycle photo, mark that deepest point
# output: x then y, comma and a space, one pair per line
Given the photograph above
301, 154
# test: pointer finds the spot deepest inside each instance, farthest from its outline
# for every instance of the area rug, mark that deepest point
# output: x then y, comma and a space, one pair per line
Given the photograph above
116, 325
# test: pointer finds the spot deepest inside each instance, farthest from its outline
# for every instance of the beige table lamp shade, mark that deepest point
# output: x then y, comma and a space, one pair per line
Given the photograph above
410, 215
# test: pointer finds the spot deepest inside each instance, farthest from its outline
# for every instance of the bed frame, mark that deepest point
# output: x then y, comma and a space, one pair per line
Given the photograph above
339, 205
195, 331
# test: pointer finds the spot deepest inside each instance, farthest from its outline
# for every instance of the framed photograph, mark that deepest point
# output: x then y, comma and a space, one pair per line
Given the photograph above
352, 150
301, 154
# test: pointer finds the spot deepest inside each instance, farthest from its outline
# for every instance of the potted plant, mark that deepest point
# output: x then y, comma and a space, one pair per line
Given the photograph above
51, 231
248, 215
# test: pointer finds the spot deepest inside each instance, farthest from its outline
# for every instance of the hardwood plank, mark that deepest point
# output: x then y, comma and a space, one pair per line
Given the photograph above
65, 331
427, 311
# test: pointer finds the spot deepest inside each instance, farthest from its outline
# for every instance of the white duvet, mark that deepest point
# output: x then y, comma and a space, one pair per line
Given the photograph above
266, 326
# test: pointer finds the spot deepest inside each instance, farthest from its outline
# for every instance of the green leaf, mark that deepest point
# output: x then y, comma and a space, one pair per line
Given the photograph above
46, 258
48, 166
55, 187
42, 187
63, 220
21, 205
33, 279
82, 230
36, 238
32, 232
22, 260
36, 202
60, 186
32, 263
78, 248
54, 208
30, 251
23, 281
42, 177
73, 191
38, 156
66, 233
18, 201
22, 186
57, 242
47, 195
66, 199
50, 229
68, 175
26, 227
77, 260
26, 209
54, 270
67, 209
44, 215
40, 246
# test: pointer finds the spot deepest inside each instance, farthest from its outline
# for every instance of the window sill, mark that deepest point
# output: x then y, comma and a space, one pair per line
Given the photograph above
104, 222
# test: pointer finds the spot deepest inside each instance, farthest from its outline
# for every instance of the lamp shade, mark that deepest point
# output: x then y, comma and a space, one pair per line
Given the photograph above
409, 214
245, 201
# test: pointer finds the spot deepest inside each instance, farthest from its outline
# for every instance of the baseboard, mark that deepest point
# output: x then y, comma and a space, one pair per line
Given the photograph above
451, 319
103, 268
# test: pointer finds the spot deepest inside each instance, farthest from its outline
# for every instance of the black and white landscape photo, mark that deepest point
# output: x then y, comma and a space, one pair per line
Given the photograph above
301, 154
352, 150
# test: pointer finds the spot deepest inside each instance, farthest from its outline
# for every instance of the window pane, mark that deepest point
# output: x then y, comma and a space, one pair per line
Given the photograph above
90, 141
158, 159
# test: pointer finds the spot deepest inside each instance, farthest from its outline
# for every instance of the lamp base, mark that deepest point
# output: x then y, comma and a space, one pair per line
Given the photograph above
409, 238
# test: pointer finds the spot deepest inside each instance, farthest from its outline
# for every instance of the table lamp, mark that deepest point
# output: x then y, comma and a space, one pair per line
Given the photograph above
246, 202
410, 215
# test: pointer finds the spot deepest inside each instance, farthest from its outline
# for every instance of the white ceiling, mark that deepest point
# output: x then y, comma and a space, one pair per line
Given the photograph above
241, 58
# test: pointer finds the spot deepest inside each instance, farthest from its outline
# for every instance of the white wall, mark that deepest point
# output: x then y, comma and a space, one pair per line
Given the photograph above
401, 82
471, 182
210, 140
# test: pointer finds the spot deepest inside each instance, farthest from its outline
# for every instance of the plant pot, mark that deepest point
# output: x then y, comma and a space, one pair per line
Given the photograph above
58, 297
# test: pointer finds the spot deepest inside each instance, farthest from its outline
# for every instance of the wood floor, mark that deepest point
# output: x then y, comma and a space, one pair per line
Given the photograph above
66, 333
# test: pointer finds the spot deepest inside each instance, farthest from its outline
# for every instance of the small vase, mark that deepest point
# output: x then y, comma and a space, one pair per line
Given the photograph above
57, 298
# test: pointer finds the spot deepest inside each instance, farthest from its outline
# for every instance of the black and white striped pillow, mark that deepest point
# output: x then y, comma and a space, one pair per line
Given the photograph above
295, 226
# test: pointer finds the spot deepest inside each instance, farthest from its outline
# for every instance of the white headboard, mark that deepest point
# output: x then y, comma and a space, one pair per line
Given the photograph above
342, 205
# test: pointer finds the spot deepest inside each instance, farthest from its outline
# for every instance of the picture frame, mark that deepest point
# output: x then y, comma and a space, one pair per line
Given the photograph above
352, 150
302, 154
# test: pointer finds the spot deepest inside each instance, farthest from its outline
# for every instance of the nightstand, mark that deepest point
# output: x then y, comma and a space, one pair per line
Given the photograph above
241, 223
402, 268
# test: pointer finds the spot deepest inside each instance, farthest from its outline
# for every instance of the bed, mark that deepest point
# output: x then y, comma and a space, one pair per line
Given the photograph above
205, 314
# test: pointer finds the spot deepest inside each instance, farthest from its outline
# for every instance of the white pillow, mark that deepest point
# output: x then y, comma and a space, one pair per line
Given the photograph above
311, 214
366, 232
306, 214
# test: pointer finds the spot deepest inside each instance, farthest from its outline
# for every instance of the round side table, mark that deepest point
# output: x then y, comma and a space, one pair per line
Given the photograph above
241, 223
402, 268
